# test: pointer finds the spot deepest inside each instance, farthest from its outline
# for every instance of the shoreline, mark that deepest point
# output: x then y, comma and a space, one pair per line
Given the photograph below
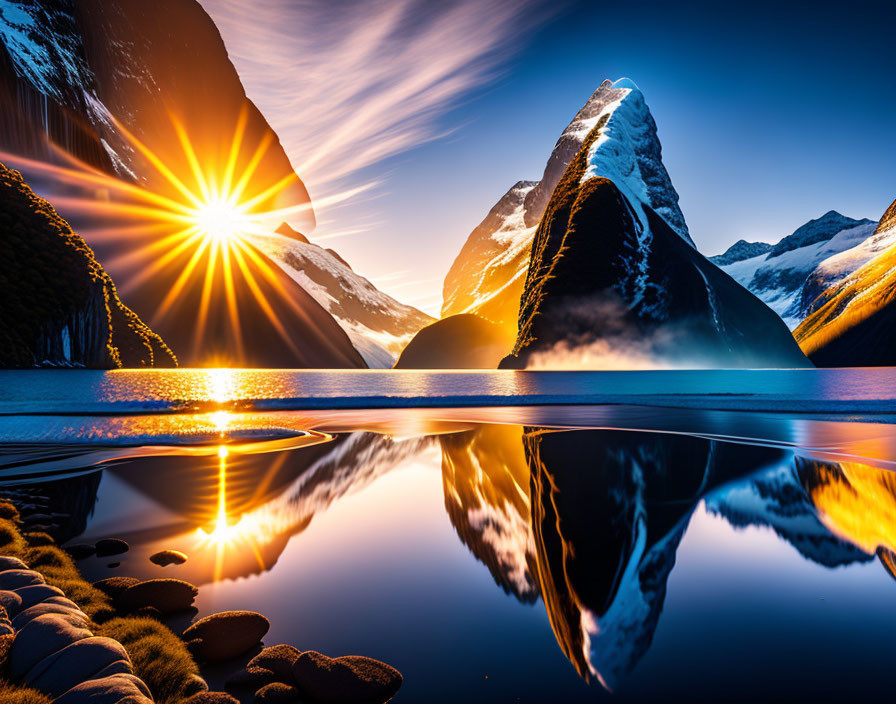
65, 640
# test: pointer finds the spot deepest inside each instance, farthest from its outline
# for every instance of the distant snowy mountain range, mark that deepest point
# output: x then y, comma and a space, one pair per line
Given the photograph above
789, 275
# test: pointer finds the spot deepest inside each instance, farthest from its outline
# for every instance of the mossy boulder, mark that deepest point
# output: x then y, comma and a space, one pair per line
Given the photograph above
225, 635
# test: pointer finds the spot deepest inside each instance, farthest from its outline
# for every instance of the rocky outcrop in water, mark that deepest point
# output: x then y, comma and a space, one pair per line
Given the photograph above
60, 308
463, 341
608, 289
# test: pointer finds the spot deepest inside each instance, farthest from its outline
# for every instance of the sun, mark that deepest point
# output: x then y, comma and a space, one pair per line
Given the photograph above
221, 222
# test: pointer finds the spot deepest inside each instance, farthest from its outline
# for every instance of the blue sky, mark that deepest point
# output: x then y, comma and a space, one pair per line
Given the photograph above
770, 114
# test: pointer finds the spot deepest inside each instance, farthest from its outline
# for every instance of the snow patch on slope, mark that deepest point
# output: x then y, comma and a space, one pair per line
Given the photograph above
840, 266
378, 325
778, 281
627, 152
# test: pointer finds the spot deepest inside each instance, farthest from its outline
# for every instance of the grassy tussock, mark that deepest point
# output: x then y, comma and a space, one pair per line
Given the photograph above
12, 544
59, 570
13, 694
159, 657
8, 511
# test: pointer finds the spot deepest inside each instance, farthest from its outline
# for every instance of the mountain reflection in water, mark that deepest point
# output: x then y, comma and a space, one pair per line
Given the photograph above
586, 521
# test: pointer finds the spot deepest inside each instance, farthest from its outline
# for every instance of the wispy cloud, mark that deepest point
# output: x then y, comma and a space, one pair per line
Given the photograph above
348, 83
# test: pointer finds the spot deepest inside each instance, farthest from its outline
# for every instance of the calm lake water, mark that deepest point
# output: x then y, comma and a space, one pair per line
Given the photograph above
499, 537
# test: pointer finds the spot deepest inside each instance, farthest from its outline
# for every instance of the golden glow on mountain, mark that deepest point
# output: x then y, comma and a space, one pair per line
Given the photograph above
857, 502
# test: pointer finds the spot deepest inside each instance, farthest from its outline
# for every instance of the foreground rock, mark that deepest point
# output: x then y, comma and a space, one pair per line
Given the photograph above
54, 651
211, 698
225, 635
279, 660
12, 563
111, 546
114, 586
115, 689
166, 595
279, 693
80, 551
163, 558
351, 678
84, 660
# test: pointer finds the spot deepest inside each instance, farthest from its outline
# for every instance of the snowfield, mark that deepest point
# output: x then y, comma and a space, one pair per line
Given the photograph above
378, 325
778, 281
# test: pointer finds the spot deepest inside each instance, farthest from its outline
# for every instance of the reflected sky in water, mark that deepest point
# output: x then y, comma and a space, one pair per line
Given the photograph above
523, 553
531, 563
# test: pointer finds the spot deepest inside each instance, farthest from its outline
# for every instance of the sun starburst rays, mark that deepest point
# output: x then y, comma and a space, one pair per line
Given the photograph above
189, 224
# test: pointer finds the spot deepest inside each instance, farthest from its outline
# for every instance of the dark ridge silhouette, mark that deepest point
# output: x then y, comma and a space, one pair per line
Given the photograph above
60, 308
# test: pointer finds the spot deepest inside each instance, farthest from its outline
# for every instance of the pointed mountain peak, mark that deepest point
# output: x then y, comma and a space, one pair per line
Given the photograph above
287, 231
627, 151
740, 251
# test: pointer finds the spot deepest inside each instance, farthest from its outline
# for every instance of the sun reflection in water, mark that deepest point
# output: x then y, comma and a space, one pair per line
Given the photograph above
226, 534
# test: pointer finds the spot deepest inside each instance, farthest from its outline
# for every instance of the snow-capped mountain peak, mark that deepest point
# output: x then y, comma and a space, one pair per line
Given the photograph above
488, 275
740, 251
784, 276
818, 230
627, 152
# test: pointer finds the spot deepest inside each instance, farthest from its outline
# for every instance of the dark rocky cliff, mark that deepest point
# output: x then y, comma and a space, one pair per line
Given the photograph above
601, 276
59, 307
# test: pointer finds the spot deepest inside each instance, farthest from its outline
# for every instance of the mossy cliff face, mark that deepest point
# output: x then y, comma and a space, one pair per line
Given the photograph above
59, 307
605, 282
